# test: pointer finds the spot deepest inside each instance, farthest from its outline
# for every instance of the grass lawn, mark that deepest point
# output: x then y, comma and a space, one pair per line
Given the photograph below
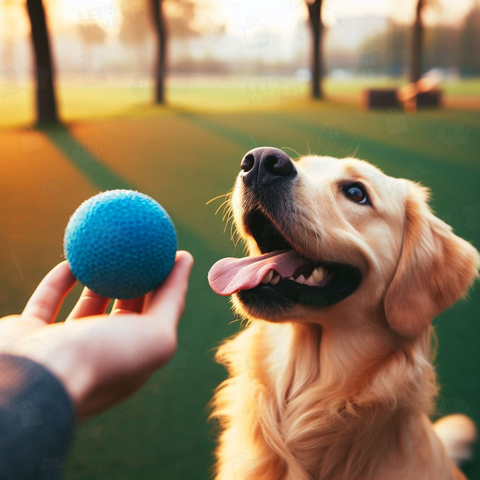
183, 157
129, 97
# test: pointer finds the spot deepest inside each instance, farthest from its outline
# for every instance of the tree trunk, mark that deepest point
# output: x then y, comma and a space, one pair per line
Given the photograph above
317, 28
44, 81
161, 31
417, 44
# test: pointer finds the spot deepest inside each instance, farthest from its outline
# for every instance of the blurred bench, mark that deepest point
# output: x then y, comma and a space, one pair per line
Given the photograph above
380, 98
424, 93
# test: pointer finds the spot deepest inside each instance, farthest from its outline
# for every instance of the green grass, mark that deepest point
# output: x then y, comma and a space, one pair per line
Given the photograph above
183, 157
122, 97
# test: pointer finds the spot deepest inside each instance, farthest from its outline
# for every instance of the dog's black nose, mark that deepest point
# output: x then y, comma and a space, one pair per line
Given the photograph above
265, 165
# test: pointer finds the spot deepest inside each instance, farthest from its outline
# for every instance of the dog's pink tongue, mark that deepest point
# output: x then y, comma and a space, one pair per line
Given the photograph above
231, 275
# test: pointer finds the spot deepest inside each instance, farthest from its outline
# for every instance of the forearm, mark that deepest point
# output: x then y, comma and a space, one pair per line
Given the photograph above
36, 420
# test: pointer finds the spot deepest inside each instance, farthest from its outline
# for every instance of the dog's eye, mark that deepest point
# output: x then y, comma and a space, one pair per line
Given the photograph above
356, 192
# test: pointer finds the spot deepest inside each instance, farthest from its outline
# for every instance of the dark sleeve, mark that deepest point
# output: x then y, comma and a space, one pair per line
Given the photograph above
36, 421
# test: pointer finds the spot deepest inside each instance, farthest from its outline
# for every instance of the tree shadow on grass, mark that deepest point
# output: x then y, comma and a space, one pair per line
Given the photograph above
84, 158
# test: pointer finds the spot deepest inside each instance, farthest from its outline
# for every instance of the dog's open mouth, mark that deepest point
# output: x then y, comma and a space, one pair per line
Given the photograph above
281, 273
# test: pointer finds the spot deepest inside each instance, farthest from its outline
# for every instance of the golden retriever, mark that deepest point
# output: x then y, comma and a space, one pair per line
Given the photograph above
332, 378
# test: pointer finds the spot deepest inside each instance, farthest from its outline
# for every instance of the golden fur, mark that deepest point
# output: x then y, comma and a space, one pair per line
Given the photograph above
345, 392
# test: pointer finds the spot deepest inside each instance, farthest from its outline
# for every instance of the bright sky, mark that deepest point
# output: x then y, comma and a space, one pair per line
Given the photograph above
281, 15
284, 13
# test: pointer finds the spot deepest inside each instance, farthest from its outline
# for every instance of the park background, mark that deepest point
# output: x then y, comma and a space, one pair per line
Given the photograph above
237, 74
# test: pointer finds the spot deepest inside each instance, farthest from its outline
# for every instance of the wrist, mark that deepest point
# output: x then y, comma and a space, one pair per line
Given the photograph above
75, 375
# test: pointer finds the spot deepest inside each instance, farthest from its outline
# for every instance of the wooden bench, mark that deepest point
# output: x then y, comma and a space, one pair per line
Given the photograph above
424, 93
380, 98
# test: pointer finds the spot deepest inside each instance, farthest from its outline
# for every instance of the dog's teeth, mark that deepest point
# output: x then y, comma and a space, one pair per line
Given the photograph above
275, 279
318, 274
301, 279
310, 281
268, 277
289, 278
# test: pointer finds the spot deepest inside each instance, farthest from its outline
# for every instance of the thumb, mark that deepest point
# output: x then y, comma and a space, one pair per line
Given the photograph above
167, 302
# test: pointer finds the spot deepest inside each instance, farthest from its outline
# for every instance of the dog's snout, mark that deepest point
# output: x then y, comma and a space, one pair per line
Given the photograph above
265, 165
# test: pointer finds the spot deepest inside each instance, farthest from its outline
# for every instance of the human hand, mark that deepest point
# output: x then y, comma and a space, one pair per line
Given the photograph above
100, 359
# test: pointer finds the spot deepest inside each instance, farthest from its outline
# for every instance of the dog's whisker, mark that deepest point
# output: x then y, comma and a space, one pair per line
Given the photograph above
356, 151
225, 227
232, 232
226, 223
308, 147
217, 197
227, 215
222, 205
293, 150
238, 237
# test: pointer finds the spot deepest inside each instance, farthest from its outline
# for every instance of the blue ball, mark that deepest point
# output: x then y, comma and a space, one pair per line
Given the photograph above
120, 244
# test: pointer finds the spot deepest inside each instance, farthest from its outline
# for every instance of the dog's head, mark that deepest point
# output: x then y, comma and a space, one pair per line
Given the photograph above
337, 240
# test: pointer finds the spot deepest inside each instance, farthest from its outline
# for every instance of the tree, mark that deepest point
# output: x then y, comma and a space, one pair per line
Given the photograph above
161, 37
417, 43
442, 46
91, 33
317, 29
135, 28
46, 103
182, 22
469, 51
8, 29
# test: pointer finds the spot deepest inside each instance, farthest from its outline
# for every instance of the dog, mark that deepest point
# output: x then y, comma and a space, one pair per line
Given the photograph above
332, 379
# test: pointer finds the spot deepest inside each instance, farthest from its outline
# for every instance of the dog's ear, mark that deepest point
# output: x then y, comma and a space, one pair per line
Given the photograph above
435, 269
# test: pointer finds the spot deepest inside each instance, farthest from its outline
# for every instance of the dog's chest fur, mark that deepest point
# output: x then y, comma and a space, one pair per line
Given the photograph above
282, 420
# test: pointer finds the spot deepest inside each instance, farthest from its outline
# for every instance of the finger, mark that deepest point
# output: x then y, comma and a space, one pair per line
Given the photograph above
89, 303
133, 305
47, 299
148, 301
168, 300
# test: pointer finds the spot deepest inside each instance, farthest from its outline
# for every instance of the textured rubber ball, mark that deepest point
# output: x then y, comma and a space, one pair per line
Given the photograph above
120, 244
